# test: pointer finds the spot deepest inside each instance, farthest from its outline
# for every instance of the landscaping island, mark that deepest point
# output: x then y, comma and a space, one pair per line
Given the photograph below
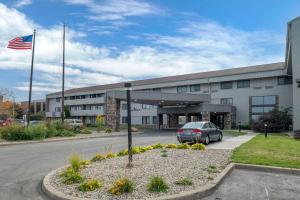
158, 170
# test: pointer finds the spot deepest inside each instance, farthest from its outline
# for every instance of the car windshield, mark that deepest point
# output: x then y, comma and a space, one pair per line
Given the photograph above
193, 125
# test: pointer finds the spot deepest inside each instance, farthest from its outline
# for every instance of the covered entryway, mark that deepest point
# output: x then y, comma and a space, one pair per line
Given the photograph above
174, 109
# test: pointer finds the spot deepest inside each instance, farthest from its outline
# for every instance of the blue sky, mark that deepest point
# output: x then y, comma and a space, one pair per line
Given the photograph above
117, 40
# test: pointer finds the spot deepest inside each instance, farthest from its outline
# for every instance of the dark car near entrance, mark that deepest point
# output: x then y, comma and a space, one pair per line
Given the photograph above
199, 132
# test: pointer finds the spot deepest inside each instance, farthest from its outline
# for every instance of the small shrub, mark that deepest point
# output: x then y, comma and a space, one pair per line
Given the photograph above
36, 132
84, 163
90, 185
143, 149
69, 176
108, 130
157, 146
13, 132
184, 182
121, 186
183, 146
136, 150
111, 155
124, 152
163, 151
198, 146
171, 146
148, 148
212, 169
75, 161
85, 131
66, 133
98, 157
157, 184
164, 155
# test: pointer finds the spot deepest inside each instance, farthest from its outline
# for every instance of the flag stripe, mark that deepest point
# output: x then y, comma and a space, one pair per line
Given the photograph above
21, 43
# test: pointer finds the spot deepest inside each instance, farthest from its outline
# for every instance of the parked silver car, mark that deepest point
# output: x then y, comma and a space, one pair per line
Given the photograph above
201, 132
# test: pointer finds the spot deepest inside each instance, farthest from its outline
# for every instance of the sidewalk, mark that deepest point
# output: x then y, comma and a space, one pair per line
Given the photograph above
233, 142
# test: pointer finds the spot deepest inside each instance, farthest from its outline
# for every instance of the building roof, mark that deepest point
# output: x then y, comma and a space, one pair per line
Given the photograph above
200, 75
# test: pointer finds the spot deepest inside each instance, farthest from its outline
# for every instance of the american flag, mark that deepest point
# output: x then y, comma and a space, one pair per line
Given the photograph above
21, 43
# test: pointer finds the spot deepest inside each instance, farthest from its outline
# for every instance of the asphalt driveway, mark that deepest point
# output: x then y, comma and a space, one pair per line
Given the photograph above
22, 167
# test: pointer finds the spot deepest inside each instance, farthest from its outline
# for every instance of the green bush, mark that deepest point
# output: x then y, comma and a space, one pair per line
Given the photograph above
98, 157
111, 155
157, 146
136, 150
183, 146
84, 163
164, 155
157, 184
184, 182
14, 132
75, 161
69, 176
171, 146
124, 152
198, 146
148, 148
90, 185
36, 132
108, 130
85, 131
121, 186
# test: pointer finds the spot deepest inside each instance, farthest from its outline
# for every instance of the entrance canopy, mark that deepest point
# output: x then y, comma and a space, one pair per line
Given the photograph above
161, 99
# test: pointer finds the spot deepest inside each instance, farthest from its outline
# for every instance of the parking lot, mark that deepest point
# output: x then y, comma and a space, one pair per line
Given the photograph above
256, 185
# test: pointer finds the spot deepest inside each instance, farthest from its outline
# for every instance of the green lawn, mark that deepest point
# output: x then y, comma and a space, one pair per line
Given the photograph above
277, 150
233, 132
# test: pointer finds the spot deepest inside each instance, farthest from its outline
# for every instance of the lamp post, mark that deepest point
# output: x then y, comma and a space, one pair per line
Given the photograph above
266, 130
239, 126
128, 89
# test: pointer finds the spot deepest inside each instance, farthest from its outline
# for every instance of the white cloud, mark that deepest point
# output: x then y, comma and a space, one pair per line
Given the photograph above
115, 9
22, 3
194, 47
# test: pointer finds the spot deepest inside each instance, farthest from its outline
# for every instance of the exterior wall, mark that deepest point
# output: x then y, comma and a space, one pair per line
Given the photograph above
295, 47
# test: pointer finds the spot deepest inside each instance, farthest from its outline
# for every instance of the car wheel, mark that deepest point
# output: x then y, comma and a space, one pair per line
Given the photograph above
220, 137
207, 140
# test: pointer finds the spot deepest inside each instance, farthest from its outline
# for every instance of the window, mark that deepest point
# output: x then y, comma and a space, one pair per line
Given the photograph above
257, 100
93, 96
154, 119
124, 106
99, 95
156, 89
57, 109
262, 105
58, 99
146, 106
145, 119
226, 101
124, 120
195, 88
72, 97
77, 97
285, 80
243, 84
269, 100
181, 89
226, 85
99, 107
82, 97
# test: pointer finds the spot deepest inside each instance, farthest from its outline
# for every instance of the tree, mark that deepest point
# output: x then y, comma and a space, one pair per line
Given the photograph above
277, 121
67, 112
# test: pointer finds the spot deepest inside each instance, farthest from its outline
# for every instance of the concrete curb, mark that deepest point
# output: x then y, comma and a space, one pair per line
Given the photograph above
270, 169
208, 189
3, 144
